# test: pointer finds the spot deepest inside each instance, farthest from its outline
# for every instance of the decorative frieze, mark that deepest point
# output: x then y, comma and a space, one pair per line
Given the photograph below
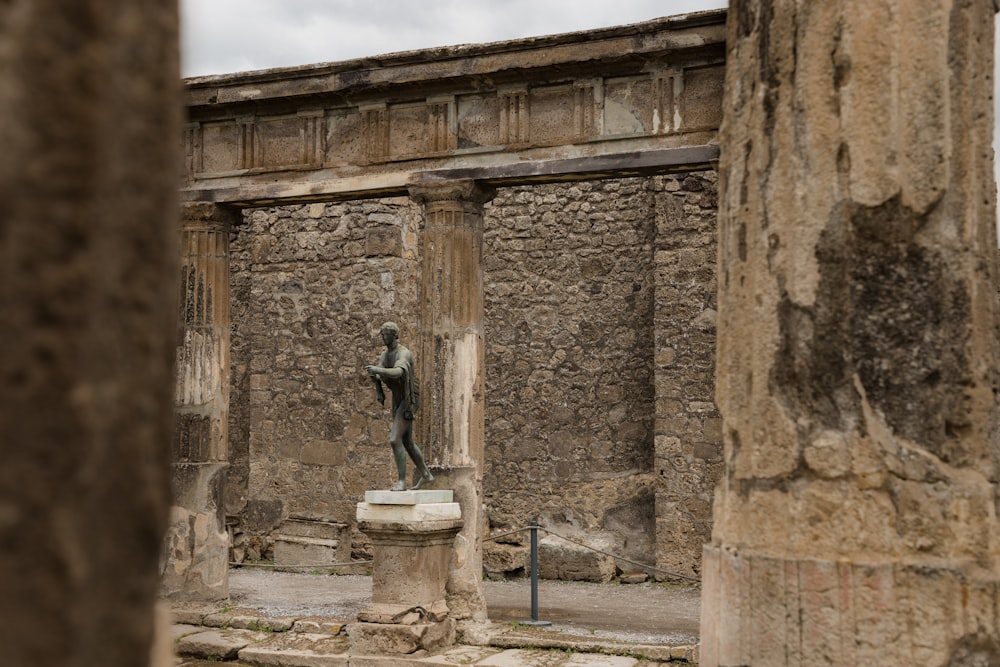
513, 116
521, 116
375, 132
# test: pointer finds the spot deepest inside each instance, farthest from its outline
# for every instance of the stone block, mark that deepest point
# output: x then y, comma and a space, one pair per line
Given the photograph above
318, 627
300, 542
561, 559
505, 560
383, 638
297, 650
216, 644
382, 497
303, 527
408, 513
384, 241
291, 551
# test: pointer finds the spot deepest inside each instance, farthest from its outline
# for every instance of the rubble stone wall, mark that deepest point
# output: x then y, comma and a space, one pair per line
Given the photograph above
599, 301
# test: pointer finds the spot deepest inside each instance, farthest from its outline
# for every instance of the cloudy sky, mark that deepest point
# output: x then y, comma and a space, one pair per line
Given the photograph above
222, 36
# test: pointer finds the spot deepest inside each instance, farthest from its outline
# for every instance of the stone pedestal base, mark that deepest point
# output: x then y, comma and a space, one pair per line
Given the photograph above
387, 639
412, 541
195, 563
763, 610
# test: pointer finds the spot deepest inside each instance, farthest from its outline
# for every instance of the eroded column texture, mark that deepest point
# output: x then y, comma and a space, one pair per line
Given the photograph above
856, 522
196, 549
89, 120
451, 419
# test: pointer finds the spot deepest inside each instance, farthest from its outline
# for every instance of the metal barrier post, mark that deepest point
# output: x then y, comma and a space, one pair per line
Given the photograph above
533, 526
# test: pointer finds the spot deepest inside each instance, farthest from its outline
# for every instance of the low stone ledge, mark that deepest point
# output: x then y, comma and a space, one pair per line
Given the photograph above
298, 650
248, 622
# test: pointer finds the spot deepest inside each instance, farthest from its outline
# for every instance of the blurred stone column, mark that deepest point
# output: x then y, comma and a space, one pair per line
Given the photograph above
197, 549
451, 421
857, 354
90, 115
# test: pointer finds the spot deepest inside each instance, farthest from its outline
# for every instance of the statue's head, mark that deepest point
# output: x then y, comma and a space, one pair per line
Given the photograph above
390, 333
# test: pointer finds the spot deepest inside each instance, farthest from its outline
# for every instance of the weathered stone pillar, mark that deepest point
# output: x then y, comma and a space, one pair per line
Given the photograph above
90, 113
857, 354
452, 423
196, 558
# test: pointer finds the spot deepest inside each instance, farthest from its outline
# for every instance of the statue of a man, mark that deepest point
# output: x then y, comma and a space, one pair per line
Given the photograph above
396, 369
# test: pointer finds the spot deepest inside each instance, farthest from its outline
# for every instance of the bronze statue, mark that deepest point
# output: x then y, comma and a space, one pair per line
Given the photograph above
396, 369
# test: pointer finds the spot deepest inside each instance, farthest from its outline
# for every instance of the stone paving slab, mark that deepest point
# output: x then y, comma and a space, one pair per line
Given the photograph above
218, 644
249, 622
297, 649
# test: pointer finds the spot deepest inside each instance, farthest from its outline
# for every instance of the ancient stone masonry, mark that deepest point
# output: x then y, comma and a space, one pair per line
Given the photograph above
312, 284
599, 306
316, 269
856, 522
600, 322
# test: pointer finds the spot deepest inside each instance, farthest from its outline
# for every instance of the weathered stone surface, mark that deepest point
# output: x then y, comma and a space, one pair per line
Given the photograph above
405, 513
89, 115
216, 644
297, 650
505, 560
410, 571
585, 426
247, 622
560, 559
363, 127
196, 546
382, 638
381, 497
318, 627
858, 348
302, 551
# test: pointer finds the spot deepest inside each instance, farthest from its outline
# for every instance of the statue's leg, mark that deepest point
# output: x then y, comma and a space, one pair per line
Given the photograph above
398, 451
416, 455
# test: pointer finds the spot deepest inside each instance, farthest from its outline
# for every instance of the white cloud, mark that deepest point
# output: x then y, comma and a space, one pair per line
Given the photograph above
220, 36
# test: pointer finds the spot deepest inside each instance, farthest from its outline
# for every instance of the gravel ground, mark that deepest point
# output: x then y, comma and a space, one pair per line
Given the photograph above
645, 613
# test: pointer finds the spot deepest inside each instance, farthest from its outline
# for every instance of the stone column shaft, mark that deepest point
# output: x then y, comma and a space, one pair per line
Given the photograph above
857, 339
196, 559
452, 359
90, 111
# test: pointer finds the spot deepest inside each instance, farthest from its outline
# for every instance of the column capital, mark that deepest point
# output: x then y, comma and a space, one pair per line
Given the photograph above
208, 216
430, 192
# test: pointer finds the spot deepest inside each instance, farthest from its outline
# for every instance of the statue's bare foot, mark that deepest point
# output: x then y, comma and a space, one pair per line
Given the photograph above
399, 486
425, 477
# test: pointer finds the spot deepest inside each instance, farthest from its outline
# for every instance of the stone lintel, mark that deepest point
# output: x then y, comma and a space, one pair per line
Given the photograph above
409, 497
493, 169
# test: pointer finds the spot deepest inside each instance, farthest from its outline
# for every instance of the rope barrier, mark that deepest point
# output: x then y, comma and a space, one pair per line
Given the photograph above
296, 567
677, 575
660, 570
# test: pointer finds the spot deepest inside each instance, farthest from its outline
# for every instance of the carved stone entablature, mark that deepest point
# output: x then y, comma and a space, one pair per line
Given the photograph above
629, 90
